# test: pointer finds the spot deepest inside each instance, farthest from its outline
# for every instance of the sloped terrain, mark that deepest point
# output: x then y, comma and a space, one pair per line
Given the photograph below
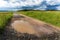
22, 27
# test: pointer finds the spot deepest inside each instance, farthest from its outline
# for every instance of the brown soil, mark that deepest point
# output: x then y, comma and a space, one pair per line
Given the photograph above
23, 27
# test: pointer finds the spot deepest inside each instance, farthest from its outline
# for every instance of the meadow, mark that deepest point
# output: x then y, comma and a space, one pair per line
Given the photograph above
51, 17
4, 18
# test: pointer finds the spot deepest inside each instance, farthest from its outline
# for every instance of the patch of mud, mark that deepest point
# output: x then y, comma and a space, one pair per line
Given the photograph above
23, 27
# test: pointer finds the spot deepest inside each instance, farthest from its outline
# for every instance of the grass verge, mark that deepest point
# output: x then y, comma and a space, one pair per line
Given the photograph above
4, 18
52, 17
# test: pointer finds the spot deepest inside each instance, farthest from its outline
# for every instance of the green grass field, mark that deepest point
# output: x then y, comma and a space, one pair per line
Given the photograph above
51, 17
4, 18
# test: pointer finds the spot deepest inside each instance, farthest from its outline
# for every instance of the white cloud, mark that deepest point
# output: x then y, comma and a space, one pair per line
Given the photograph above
14, 3
43, 7
20, 3
3, 3
53, 2
58, 8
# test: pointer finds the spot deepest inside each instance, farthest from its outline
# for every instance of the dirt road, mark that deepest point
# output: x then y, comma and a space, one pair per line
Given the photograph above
26, 28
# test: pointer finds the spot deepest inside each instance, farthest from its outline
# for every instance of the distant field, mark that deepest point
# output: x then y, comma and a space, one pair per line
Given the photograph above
52, 17
4, 18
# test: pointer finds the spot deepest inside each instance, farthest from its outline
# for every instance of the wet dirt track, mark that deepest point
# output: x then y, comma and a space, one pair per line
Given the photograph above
25, 28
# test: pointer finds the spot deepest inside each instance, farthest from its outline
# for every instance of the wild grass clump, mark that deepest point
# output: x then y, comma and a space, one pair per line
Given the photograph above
4, 18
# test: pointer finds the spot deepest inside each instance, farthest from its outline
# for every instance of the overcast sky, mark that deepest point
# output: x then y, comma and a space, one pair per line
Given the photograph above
30, 4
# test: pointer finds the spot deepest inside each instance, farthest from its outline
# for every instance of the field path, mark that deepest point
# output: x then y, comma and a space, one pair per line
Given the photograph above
22, 27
